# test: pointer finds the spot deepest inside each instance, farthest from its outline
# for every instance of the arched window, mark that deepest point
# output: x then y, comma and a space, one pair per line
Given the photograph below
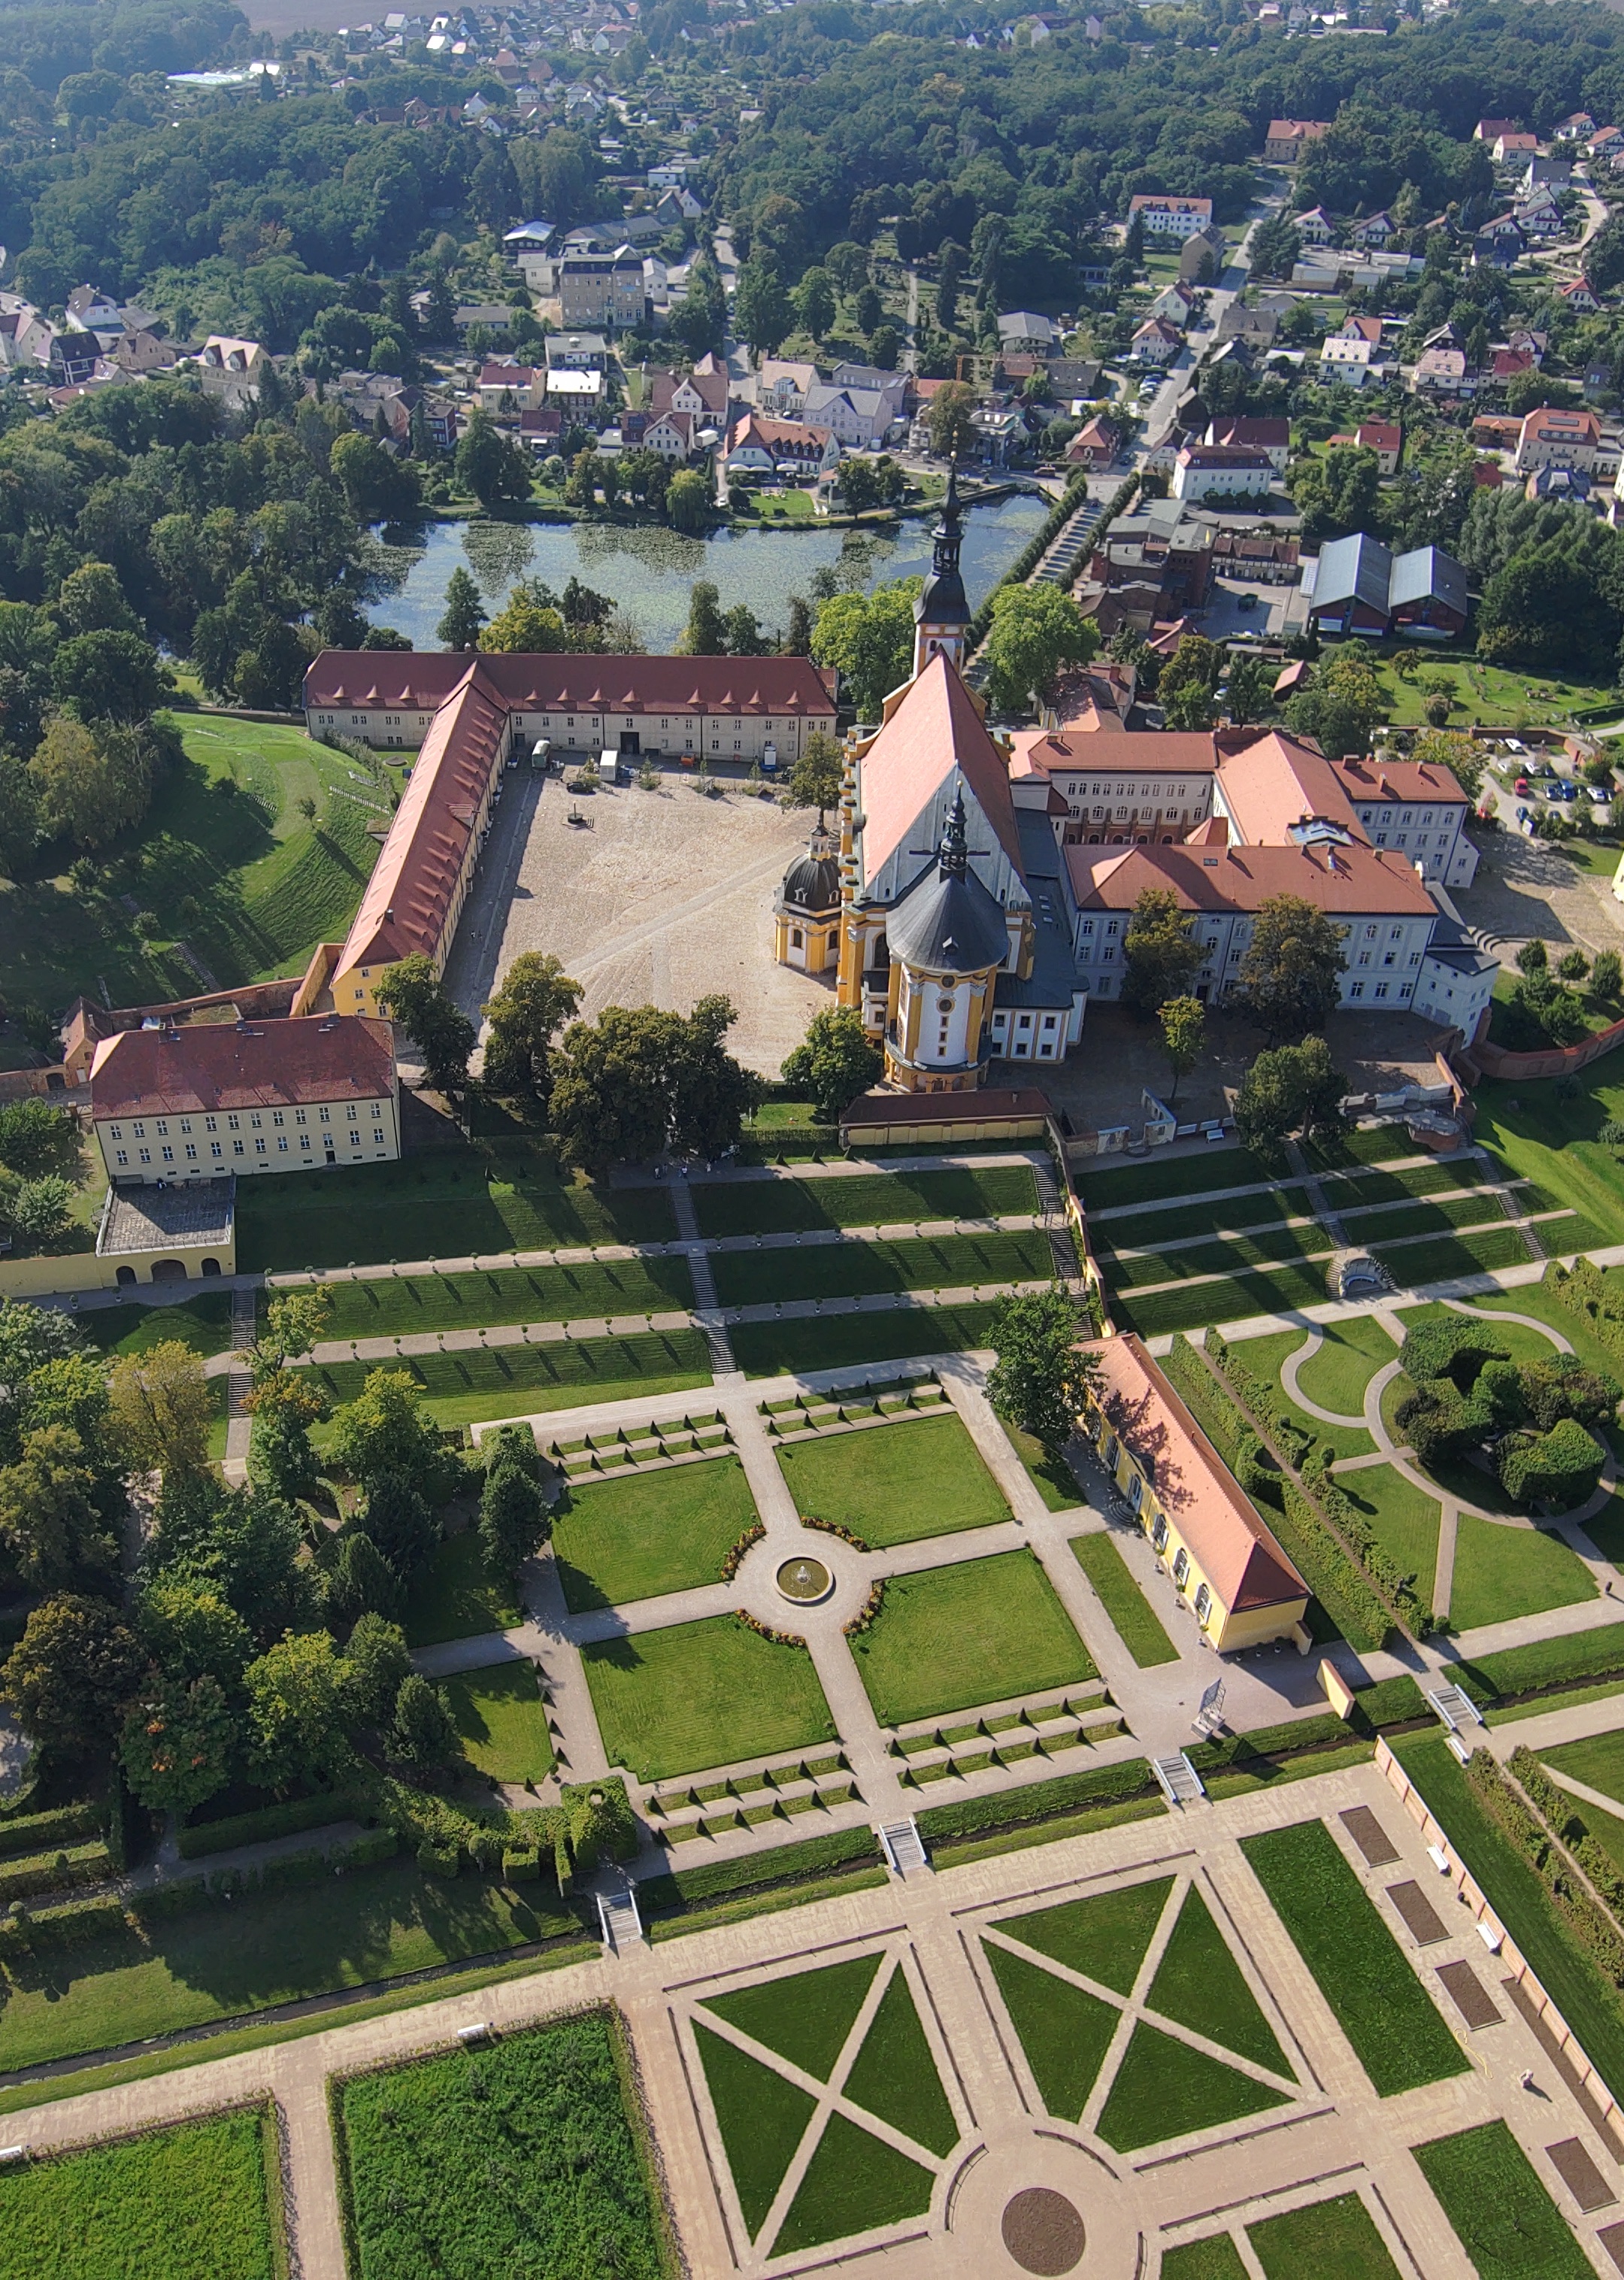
1204, 1604
1181, 1568
1159, 1533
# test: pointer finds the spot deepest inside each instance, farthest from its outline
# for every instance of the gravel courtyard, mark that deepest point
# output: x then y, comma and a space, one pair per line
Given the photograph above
660, 898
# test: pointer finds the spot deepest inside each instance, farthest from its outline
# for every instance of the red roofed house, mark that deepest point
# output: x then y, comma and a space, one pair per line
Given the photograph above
172, 1105
1097, 445
1287, 139
763, 447
1552, 438
1232, 433
1168, 217
1582, 295
1384, 438
1242, 1590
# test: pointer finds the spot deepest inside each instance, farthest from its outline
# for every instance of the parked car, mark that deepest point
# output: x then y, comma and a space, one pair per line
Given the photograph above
1601, 795
1523, 813
1566, 792
1521, 786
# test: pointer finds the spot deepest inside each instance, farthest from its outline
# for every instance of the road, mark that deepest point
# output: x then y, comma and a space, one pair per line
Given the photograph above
1229, 286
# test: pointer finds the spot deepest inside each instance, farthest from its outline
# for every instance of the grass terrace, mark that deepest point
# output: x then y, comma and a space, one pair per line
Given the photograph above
984, 1631
849, 1270
1503, 1571
893, 1483
697, 1695
401, 1305
1210, 1172
1553, 1142
843, 1341
618, 1541
466, 1388
1282, 1289
203, 1323
782, 1206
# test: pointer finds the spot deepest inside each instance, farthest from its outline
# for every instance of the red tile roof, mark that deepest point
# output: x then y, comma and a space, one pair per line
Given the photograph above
1346, 881
1278, 781
1120, 752
212, 1066
934, 728
422, 681
1400, 780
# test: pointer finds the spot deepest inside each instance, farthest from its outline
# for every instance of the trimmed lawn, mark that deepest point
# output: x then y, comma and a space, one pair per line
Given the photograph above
1266, 1358
785, 1206
1130, 1612
1447, 1257
1554, 1142
1215, 2258
501, 1720
1503, 2218
851, 1270
1338, 1373
762, 2116
397, 1305
1534, 1299
1597, 1761
1165, 2088
1105, 1938
1196, 1305
1334, 2240
985, 1630
258, 1951
805, 2018
1161, 1261
895, 2076
466, 1389
1208, 1174
1405, 1521
1396, 2032
1064, 2031
454, 1595
698, 1695
543, 2118
842, 1340
1179, 1222
203, 1324
630, 1538
1200, 1984
466, 1201
854, 2183
1576, 1985
892, 1483
191, 2203
1051, 1476
1502, 1571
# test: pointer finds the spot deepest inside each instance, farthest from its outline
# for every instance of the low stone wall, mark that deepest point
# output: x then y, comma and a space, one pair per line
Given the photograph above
1555, 1060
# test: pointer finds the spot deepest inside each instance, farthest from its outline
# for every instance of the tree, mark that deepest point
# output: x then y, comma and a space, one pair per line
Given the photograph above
947, 420
161, 1408
36, 1139
1558, 1469
1249, 692
282, 1458
1042, 1373
706, 633
375, 1664
361, 1581
1462, 756
48, 1520
178, 1744
1293, 1089
816, 779
536, 998
762, 314
1184, 1022
423, 1733
192, 1632
1034, 631
639, 1080
43, 1210
246, 1545
884, 345
1341, 703
815, 301
296, 1712
376, 488
1196, 663
513, 1519
1290, 976
84, 795
465, 613
412, 993
869, 638
294, 1323
1606, 979
1339, 494
399, 1521
110, 676
387, 1430
1276, 247
834, 1062
489, 464
712, 1093
1162, 951
688, 500
530, 625
72, 1674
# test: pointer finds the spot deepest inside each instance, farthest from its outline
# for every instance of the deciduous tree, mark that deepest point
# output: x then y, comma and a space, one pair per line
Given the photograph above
1183, 1021
1293, 1089
948, 423
1162, 952
834, 1062
869, 638
178, 1744
296, 1712
72, 1673
161, 1409
1042, 1373
536, 998
1035, 630
1290, 975
412, 993
816, 778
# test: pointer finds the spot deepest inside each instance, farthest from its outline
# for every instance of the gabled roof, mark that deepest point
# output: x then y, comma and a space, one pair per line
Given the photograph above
1400, 780
1427, 574
566, 681
1353, 569
1277, 783
1344, 881
219, 1065
934, 728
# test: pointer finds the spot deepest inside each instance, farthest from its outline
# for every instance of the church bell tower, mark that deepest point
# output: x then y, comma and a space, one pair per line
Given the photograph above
942, 613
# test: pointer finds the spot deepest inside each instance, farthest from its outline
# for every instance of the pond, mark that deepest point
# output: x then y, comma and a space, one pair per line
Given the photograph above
647, 571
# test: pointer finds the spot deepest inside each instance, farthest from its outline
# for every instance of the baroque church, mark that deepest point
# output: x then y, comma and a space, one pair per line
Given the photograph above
941, 904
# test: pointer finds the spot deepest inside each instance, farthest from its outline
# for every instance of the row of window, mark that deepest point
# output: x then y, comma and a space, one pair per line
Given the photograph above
1402, 838
217, 1149
234, 1119
1369, 815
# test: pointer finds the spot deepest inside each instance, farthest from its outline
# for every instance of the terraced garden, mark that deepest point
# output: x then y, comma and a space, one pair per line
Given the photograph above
863, 1199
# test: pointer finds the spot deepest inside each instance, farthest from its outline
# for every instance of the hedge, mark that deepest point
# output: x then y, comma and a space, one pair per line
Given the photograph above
76, 1923
49, 1832
1033, 552
267, 1822
1572, 1907
783, 1864
55, 1872
1561, 1813
1542, 1668
1582, 1290
1018, 1808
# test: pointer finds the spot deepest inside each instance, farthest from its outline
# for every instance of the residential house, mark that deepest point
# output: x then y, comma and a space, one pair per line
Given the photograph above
511, 386
232, 369
1256, 328
1157, 341
1202, 256
1359, 586
1001, 433
1024, 329
702, 394
781, 386
1551, 438
858, 416
1514, 148
1314, 228
1582, 296
1344, 362
678, 209
1211, 471
1500, 249
1506, 365
1375, 229
1416, 808
1175, 304
602, 289
1384, 438
579, 396
759, 446
674, 434
1361, 328
1546, 175
1539, 215
1169, 217
1272, 437
1097, 445
1489, 130
1443, 371
1574, 128
1286, 139
576, 352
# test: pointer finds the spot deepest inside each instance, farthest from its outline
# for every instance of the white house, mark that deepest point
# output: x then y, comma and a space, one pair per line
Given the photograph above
1344, 360
1216, 471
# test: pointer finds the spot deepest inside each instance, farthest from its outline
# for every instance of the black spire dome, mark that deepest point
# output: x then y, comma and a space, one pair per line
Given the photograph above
943, 602
953, 859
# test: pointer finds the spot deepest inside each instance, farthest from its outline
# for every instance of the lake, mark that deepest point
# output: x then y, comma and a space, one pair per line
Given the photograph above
647, 571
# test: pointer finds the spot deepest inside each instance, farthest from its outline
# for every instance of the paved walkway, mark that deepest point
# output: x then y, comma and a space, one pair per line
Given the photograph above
233, 1365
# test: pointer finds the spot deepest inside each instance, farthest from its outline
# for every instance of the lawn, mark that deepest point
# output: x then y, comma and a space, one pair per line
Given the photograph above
1334, 2240
1503, 2218
698, 1695
804, 2018
398, 1305
1200, 1984
1597, 1761
223, 1961
223, 861
1553, 1142
1338, 1373
1533, 1298
455, 1595
503, 1721
495, 1382
787, 1206
1064, 2031
203, 1324
1179, 1222
985, 1630
854, 2183
1166, 2088
628, 1538
1211, 1173
1134, 1624
850, 1270
466, 1201
893, 2075
892, 1483
1396, 2032
1405, 1522
197, 2202
843, 1341
1501, 1572
1194, 1306
1105, 1937
1216, 2258
1266, 1358
507, 2159
1162, 1261
1446, 1258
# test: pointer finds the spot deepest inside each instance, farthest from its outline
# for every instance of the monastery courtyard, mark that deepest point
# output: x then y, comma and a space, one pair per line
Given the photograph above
670, 899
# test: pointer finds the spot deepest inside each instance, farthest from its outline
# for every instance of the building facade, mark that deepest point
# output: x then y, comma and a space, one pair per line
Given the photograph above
602, 288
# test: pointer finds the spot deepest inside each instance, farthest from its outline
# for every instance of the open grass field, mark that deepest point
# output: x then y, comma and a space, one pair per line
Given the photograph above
1503, 2216
1334, 2240
618, 1541
224, 862
804, 2018
1396, 2031
1351, 1353
985, 1630
198, 2202
1131, 1617
466, 1389
847, 1270
1502, 1571
398, 1305
1267, 1358
784, 1206
503, 1721
203, 1323
545, 2116
1208, 1174
462, 1202
892, 1483
698, 1695
1597, 1761
1405, 1522
842, 1340
455, 1595
260, 1950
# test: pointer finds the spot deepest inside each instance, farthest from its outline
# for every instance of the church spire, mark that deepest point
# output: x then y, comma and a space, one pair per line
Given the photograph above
949, 530
942, 613
953, 856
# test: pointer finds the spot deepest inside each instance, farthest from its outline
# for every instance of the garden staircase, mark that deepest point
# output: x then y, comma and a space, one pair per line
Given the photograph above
618, 1917
902, 1845
1180, 1783
1456, 1710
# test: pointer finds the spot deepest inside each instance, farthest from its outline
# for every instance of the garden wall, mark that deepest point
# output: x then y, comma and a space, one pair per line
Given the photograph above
1556, 1060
